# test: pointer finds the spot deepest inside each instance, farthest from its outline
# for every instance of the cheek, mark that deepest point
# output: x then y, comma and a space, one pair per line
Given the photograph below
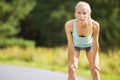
75, 14
86, 16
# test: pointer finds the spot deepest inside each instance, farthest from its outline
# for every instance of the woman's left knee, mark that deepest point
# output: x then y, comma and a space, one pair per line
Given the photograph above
95, 68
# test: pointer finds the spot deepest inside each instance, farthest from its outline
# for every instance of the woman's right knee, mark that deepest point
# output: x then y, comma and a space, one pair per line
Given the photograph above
72, 70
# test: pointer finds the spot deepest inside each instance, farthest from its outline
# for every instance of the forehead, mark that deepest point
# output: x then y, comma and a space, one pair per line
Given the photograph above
82, 8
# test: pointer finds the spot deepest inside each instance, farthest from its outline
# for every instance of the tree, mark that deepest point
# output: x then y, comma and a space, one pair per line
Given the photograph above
107, 14
11, 12
48, 20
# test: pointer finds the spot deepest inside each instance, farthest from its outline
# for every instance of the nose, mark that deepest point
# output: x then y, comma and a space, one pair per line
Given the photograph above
81, 15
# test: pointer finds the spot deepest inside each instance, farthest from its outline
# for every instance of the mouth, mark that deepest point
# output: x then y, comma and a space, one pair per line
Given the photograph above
82, 19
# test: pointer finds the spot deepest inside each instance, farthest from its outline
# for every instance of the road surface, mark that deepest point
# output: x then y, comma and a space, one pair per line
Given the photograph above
8, 72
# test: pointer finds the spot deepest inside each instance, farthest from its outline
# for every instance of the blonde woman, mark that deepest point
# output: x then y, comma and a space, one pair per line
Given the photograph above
83, 34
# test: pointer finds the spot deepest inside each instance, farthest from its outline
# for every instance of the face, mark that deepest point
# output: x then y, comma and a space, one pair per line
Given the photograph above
82, 13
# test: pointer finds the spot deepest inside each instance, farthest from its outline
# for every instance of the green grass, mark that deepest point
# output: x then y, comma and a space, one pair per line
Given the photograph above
56, 59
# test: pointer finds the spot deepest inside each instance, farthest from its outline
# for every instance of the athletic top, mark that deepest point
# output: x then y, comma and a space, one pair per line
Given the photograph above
80, 41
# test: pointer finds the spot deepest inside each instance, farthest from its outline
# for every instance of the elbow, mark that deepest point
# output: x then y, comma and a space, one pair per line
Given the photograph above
70, 43
96, 47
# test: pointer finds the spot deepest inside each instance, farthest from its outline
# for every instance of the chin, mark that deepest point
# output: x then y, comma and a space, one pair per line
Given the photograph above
81, 20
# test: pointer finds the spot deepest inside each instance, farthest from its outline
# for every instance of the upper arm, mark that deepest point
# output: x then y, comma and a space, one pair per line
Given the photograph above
68, 30
96, 30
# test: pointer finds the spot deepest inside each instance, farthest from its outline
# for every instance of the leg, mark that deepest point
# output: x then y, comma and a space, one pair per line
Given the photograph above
94, 65
71, 68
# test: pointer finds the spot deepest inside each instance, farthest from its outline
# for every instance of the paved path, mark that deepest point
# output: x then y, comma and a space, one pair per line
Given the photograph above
8, 72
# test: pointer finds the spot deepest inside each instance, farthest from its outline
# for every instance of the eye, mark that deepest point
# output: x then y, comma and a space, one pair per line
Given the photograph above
79, 12
84, 13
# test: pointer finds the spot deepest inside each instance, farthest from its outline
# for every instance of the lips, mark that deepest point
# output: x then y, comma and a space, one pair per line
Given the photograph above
82, 19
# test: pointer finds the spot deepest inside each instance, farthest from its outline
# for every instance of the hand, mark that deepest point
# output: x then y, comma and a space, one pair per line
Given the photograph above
96, 66
73, 66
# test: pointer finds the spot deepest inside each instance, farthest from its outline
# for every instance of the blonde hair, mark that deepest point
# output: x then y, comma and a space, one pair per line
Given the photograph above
88, 27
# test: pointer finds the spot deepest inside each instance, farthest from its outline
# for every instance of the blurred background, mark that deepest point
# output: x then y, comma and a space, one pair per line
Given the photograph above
32, 34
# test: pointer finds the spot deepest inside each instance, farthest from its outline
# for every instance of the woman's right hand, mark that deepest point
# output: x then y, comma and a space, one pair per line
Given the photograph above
73, 66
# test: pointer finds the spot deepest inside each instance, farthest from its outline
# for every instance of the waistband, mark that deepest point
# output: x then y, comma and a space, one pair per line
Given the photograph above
82, 48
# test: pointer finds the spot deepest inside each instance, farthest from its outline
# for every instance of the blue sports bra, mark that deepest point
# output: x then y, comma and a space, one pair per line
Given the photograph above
80, 41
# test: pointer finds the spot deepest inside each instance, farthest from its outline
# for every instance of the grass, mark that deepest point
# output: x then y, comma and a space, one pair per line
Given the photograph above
56, 59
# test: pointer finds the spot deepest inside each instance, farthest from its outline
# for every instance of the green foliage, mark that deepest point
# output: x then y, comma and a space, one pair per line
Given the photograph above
48, 18
16, 42
107, 14
11, 13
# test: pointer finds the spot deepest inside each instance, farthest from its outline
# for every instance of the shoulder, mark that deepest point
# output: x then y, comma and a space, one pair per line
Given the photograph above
96, 25
69, 25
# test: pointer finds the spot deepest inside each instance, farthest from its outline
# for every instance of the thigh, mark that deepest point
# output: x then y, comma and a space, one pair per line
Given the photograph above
93, 60
76, 56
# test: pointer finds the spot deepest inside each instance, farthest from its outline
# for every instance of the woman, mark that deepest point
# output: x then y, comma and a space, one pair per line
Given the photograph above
82, 34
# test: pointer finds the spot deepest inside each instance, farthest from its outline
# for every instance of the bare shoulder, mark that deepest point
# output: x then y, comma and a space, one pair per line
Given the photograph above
69, 25
96, 25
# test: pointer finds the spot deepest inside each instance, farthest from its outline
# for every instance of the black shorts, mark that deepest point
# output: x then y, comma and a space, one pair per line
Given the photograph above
81, 48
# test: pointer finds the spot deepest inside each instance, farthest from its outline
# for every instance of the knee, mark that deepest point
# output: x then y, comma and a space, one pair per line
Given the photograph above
72, 70
95, 68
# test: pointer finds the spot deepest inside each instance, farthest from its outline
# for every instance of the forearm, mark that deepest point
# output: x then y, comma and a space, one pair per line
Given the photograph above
95, 49
71, 52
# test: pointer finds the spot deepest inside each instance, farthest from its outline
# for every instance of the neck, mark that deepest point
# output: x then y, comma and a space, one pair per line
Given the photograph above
81, 24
